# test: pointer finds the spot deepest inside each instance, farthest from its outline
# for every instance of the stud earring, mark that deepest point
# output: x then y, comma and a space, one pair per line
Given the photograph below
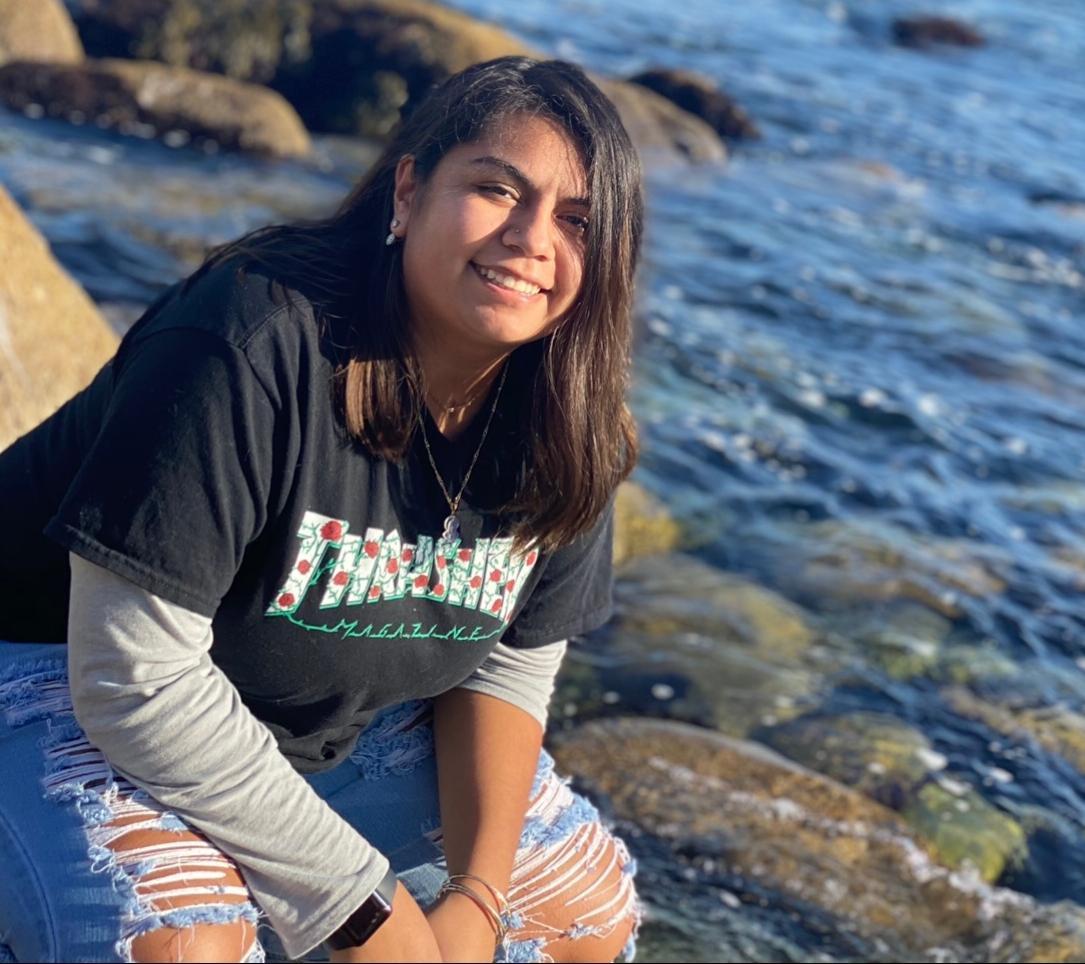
391, 239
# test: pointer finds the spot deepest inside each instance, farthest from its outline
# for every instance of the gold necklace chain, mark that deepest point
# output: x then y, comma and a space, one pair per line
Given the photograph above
452, 523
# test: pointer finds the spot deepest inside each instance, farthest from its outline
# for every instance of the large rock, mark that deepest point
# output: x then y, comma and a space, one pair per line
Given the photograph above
927, 31
142, 97
701, 97
38, 30
796, 837
659, 127
52, 338
350, 66
895, 764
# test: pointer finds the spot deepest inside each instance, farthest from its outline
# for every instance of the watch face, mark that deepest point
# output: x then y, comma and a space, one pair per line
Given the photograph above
363, 923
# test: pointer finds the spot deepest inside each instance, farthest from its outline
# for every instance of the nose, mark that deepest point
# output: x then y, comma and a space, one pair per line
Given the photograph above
530, 231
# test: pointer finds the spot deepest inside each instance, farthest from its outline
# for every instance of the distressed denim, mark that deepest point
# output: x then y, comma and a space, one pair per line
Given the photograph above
67, 895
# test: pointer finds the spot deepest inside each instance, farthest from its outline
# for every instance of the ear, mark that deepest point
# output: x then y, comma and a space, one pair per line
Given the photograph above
406, 189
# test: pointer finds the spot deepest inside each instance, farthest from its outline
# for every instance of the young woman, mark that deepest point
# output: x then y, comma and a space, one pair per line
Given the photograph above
286, 587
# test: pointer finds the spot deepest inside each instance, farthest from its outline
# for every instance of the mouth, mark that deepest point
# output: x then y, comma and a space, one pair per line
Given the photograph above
507, 282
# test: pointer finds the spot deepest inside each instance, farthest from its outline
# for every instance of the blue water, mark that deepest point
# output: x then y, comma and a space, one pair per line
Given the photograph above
872, 317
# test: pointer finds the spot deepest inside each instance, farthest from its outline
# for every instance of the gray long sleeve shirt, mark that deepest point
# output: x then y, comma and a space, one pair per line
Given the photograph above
147, 693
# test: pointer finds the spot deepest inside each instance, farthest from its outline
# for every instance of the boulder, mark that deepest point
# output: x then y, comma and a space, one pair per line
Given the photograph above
927, 31
659, 127
52, 338
700, 96
894, 763
350, 66
146, 98
789, 836
38, 30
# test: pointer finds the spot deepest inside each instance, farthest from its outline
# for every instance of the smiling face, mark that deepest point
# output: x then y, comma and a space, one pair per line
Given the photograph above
494, 238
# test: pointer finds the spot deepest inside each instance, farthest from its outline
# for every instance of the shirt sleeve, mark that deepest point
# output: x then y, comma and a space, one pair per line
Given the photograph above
574, 593
176, 483
522, 677
147, 694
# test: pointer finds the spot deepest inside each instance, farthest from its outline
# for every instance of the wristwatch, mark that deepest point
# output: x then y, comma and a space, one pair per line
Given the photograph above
363, 923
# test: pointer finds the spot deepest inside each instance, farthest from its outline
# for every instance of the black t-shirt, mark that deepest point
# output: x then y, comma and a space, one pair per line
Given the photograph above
207, 464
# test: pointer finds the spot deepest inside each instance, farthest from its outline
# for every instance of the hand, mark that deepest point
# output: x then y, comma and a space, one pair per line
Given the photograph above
405, 936
463, 932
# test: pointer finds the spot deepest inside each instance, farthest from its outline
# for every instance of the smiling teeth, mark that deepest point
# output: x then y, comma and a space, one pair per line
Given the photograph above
514, 284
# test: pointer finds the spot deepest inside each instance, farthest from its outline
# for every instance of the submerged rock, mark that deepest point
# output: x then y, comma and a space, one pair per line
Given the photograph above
38, 30
798, 837
927, 31
701, 97
52, 338
151, 99
642, 524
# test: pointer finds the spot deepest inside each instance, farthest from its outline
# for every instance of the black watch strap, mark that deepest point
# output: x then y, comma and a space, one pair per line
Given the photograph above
363, 923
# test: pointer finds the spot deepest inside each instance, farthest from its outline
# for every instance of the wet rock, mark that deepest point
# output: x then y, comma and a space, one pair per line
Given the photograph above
38, 30
701, 97
796, 834
150, 99
666, 596
903, 638
350, 66
1058, 728
659, 127
928, 31
962, 828
875, 753
691, 642
52, 338
642, 524
835, 563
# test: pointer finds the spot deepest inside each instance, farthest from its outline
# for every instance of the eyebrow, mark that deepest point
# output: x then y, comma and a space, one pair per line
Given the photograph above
521, 178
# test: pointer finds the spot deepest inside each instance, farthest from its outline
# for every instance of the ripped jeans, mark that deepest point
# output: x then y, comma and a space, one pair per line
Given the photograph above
70, 892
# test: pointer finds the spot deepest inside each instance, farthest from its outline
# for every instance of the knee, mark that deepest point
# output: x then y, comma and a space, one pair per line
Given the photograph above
233, 941
579, 903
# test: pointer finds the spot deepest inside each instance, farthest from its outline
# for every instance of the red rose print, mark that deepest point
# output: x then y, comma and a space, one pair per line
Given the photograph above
476, 581
393, 565
439, 589
420, 582
465, 555
304, 566
495, 576
332, 531
408, 555
340, 578
375, 592
531, 557
371, 550
441, 562
496, 607
286, 600
510, 585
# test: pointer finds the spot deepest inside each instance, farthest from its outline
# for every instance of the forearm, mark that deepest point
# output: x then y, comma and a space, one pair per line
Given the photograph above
148, 695
487, 752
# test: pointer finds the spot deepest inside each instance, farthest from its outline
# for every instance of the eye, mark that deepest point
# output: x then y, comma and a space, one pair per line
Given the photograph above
578, 221
498, 190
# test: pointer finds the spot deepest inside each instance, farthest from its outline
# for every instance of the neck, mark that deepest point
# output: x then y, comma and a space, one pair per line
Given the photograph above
454, 378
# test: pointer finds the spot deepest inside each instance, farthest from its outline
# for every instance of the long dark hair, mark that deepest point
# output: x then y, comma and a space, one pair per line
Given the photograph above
580, 439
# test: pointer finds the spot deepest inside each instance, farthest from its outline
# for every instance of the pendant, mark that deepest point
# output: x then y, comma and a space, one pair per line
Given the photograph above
452, 528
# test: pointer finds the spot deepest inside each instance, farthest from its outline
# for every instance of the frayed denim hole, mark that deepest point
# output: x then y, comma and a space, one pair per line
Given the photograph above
397, 741
522, 951
543, 772
192, 916
545, 831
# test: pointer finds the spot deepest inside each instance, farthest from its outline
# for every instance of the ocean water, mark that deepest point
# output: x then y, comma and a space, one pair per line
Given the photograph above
865, 332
